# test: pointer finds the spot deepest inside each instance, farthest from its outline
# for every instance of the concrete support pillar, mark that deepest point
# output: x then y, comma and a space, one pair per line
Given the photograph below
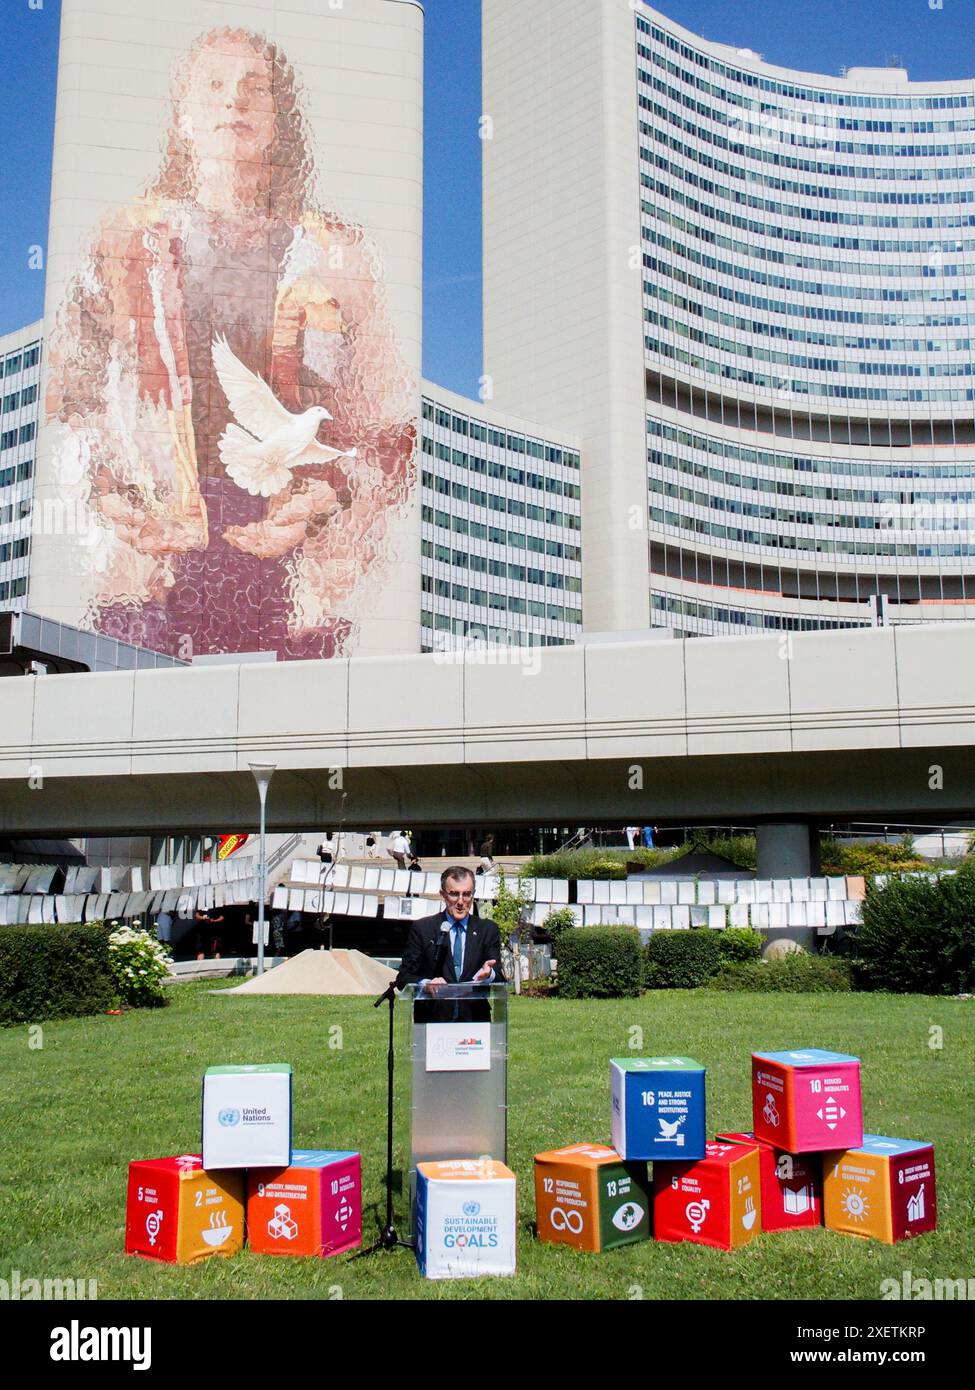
787, 849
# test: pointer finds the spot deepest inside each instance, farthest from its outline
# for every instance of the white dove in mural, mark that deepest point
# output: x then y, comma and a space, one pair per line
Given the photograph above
260, 451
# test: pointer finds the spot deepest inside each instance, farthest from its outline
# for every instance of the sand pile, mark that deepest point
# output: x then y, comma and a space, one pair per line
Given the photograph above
320, 972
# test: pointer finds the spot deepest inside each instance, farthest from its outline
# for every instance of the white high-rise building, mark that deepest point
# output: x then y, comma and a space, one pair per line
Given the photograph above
751, 293
20, 356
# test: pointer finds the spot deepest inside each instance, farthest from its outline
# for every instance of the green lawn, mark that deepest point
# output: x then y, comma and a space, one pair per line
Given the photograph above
105, 1090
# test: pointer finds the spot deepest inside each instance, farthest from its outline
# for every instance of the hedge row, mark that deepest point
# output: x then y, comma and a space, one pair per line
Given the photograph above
54, 972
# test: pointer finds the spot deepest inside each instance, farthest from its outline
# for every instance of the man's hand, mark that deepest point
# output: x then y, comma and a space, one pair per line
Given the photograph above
432, 984
485, 970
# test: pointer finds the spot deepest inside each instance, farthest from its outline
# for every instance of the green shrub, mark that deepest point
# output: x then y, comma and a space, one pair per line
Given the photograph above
578, 863
561, 919
918, 935
794, 974
54, 972
873, 857
740, 943
600, 963
607, 869
139, 966
681, 959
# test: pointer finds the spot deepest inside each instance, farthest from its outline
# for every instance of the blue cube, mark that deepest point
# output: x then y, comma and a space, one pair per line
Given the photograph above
658, 1108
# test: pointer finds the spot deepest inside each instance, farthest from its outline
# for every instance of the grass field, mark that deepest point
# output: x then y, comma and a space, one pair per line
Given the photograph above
105, 1090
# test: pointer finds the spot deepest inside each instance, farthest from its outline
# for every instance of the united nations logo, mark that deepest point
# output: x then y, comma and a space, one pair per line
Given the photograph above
229, 1117
471, 1208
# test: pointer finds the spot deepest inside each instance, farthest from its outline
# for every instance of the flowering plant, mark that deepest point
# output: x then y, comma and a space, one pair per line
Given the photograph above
139, 966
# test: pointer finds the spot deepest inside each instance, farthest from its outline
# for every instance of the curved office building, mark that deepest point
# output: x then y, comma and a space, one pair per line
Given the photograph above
805, 247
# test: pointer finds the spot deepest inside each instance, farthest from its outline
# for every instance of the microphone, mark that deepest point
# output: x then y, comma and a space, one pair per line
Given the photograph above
444, 947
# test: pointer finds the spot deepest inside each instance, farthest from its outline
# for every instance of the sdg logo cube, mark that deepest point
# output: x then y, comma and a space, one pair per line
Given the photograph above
806, 1100
587, 1197
247, 1117
658, 1108
465, 1219
716, 1201
792, 1185
884, 1188
178, 1212
312, 1207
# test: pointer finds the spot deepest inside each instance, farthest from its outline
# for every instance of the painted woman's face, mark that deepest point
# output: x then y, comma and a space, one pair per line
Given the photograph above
226, 110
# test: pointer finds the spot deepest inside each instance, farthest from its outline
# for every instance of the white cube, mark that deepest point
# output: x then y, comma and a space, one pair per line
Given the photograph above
465, 1219
247, 1117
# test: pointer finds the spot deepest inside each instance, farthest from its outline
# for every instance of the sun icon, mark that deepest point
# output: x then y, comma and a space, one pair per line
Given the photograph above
855, 1204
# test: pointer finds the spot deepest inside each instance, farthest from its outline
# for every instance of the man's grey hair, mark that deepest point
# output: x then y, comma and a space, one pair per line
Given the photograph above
459, 873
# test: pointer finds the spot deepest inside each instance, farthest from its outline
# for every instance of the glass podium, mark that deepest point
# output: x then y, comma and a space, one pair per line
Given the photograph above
451, 1046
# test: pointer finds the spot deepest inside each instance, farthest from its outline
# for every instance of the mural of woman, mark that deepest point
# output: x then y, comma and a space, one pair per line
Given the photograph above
229, 399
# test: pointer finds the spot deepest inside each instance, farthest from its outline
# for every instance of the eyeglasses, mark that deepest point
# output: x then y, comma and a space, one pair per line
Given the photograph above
464, 897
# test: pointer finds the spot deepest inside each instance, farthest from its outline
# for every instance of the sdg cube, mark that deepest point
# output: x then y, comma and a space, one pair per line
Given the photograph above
178, 1212
587, 1197
884, 1188
312, 1207
658, 1108
807, 1100
792, 1185
465, 1219
715, 1201
247, 1117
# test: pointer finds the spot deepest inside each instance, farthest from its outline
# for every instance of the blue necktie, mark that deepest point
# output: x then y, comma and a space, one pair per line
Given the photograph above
458, 949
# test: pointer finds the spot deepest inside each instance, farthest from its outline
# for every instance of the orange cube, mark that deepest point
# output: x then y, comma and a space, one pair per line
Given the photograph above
178, 1212
884, 1189
587, 1197
314, 1207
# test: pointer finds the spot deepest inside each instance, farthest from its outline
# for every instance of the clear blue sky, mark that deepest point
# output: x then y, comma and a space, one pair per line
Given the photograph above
818, 35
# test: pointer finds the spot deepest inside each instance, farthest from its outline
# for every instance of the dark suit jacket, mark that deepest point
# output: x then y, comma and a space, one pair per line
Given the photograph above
428, 955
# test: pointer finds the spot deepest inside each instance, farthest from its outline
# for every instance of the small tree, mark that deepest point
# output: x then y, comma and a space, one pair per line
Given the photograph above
509, 910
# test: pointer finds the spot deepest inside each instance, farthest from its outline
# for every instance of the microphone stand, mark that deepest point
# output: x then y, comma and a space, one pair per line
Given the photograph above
389, 1237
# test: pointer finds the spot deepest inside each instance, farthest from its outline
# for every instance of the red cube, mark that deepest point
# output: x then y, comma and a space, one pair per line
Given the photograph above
178, 1212
792, 1185
716, 1200
806, 1100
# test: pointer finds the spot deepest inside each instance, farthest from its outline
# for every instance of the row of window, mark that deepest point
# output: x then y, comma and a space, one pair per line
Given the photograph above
485, 434
820, 312
14, 550
733, 194
807, 214
817, 545
752, 138
23, 435
18, 398
941, 517
865, 264
500, 569
909, 174
800, 335
499, 536
505, 472
12, 588
460, 492
788, 487
468, 627
508, 603
813, 364
21, 361
933, 267
16, 472
736, 617
831, 390
791, 90
800, 463
807, 311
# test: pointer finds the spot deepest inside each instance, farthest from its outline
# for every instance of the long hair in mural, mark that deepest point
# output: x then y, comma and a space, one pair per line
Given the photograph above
225, 386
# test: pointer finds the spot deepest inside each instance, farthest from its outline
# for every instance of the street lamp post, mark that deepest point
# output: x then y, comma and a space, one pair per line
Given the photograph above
263, 772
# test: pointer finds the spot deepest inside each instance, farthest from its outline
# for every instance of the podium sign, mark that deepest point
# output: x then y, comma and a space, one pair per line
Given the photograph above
453, 1077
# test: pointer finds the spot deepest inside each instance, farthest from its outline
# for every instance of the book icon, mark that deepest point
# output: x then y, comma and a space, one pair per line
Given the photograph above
797, 1200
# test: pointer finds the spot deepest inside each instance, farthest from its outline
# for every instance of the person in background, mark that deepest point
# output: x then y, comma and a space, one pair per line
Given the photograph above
632, 831
648, 833
279, 921
399, 848
209, 922
164, 928
372, 848
486, 852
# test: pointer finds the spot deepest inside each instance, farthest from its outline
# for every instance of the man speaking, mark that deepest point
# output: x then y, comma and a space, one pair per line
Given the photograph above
452, 947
